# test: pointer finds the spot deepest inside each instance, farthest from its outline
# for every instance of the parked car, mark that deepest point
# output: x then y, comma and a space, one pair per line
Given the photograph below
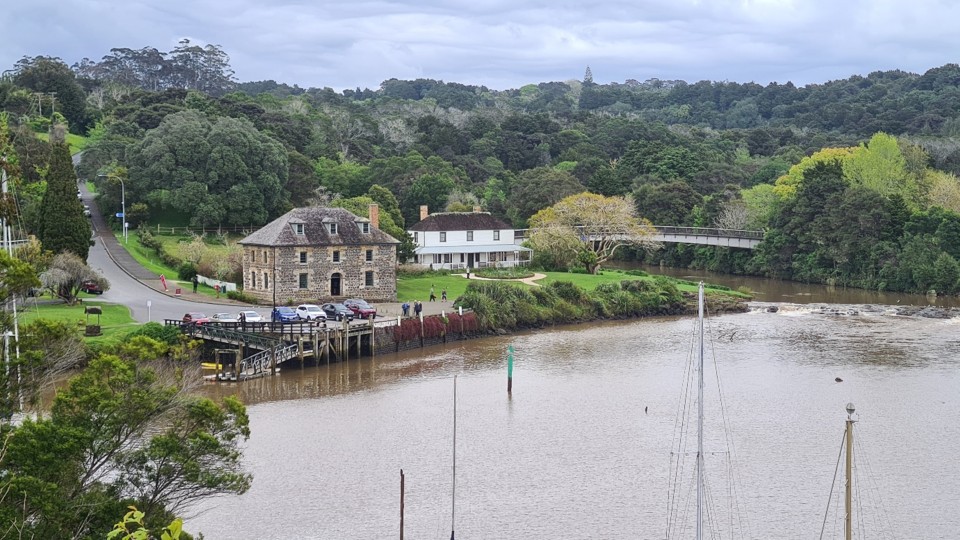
224, 317
283, 314
310, 312
91, 287
195, 317
251, 316
337, 312
361, 308
86, 210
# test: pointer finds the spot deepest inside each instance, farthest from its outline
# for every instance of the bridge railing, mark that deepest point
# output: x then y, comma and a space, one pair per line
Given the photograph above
260, 362
712, 232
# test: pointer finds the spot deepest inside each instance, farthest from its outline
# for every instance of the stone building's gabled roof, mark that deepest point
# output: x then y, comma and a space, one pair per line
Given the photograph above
315, 220
460, 221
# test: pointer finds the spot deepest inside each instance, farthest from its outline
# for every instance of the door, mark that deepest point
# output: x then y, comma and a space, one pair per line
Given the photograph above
335, 285
469, 260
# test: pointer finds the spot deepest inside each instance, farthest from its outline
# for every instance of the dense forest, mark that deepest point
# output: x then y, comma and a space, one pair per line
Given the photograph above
854, 180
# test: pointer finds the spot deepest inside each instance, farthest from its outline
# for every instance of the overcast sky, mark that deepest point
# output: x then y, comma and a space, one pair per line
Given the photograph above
504, 43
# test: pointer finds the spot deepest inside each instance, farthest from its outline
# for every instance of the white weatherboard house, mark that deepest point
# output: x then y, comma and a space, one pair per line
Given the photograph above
459, 240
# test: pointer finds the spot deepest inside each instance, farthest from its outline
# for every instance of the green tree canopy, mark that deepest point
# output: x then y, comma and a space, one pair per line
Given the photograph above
220, 171
62, 227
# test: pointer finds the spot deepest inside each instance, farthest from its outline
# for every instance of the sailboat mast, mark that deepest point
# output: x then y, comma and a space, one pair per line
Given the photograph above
700, 301
848, 500
453, 493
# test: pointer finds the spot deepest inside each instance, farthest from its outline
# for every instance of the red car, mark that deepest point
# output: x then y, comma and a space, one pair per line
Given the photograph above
361, 308
195, 317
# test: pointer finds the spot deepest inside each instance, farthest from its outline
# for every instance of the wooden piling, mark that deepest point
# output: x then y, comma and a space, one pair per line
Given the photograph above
401, 504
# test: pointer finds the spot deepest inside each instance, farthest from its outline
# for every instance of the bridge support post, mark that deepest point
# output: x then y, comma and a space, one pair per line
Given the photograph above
300, 350
273, 361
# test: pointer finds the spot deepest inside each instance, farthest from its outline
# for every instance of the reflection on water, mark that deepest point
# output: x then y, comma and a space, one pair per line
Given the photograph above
775, 290
572, 454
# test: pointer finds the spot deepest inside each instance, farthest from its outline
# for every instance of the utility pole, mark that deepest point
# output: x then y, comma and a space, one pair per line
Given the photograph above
53, 103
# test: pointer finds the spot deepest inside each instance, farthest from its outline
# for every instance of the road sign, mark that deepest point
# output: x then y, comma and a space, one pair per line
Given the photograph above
119, 214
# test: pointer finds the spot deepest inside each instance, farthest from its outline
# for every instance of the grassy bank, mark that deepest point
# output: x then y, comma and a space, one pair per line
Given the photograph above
115, 321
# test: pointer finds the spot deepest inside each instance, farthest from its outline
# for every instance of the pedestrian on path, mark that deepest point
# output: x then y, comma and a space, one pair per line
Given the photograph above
417, 308
406, 309
433, 295
196, 282
443, 295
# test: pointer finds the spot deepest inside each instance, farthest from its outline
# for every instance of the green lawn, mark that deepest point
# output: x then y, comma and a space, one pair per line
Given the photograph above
418, 288
148, 258
75, 142
115, 321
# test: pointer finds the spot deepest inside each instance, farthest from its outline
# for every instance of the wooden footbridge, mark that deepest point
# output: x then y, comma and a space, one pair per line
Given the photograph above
249, 350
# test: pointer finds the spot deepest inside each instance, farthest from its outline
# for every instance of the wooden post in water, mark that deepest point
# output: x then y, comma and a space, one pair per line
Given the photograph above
401, 504
421, 329
510, 369
273, 361
300, 350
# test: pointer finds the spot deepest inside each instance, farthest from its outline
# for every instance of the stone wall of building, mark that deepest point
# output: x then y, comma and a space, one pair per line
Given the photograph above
320, 265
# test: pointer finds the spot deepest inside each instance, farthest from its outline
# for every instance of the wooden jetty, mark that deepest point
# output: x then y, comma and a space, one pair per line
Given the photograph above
249, 350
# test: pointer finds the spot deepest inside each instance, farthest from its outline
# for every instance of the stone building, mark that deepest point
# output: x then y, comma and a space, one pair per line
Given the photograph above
319, 255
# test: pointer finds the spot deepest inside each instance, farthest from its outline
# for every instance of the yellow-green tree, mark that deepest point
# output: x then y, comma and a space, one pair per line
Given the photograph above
786, 185
590, 228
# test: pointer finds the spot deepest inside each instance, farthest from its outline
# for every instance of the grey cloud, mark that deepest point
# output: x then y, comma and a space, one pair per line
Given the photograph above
502, 43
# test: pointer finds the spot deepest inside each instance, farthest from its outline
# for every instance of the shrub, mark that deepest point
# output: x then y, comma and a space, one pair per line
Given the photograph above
162, 333
186, 271
240, 296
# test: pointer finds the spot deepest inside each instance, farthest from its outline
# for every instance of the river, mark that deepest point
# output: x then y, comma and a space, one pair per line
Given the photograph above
581, 449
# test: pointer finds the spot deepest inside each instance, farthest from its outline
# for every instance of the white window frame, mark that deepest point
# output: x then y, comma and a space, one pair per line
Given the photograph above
443, 237
469, 236
365, 227
332, 227
496, 236
298, 229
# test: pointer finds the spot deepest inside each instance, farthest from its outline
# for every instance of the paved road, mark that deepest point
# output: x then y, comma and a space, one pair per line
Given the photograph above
128, 290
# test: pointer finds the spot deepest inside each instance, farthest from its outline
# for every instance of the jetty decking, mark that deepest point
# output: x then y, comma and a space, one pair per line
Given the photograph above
255, 349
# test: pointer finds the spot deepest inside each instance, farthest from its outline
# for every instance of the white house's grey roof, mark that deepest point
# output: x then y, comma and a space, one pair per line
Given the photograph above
460, 221
315, 232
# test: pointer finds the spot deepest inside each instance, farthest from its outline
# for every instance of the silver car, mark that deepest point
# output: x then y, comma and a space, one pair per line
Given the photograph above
310, 312
251, 316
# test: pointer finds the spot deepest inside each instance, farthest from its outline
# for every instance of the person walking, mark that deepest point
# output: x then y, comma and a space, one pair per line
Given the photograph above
417, 308
243, 321
433, 295
406, 309
443, 295
196, 282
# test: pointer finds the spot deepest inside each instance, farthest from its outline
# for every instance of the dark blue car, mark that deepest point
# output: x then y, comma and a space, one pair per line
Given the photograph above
283, 314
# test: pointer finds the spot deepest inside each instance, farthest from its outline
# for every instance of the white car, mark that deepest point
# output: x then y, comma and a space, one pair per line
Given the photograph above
310, 312
252, 316
224, 317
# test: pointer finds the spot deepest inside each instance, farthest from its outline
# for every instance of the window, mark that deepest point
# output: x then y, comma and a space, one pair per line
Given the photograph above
461, 257
303, 257
368, 278
447, 258
469, 236
336, 256
253, 278
332, 227
298, 228
369, 255
253, 256
437, 258
416, 237
365, 228
264, 255
303, 281
266, 280
443, 237
496, 235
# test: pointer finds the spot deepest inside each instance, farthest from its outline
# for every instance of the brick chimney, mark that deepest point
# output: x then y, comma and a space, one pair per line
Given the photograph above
477, 209
423, 212
375, 215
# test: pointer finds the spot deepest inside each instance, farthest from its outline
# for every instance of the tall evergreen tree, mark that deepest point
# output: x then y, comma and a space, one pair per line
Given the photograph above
62, 226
